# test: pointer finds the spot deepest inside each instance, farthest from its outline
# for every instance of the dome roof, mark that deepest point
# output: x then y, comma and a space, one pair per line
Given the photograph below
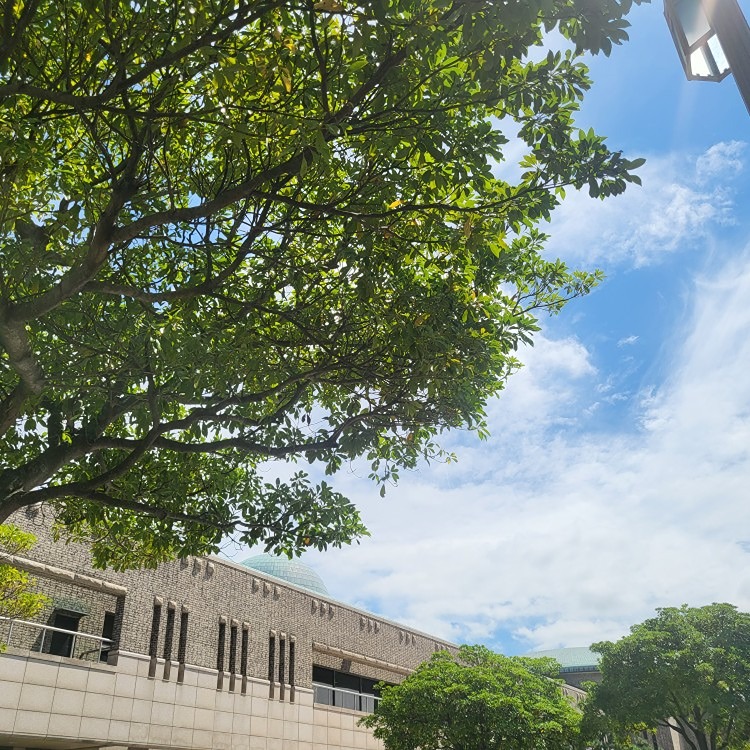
291, 571
578, 659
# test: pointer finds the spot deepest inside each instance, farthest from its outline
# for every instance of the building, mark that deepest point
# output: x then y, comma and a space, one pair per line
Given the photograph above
197, 654
577, 665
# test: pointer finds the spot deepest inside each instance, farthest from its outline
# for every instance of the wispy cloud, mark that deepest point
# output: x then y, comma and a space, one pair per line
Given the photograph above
720, 160
551, 535
627, 341
682, 200
563, 528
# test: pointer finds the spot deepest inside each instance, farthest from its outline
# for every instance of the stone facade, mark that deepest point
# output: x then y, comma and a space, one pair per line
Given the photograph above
204, 654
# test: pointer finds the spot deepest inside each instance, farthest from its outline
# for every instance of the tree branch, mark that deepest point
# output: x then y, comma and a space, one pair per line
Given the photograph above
10, 408
119, 84
15, 340
278, 174
205, 287
108, 501
101, 239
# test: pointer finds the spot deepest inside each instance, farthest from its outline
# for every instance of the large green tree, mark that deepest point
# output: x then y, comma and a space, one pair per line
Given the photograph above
477, 700
687, 669
18, 597
236, 231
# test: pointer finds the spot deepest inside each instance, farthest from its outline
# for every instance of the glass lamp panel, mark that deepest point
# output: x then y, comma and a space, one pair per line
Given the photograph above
699, 66
692, 19
714, 46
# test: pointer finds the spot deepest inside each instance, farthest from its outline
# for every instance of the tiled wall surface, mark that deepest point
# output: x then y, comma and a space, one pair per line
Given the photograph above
46, 697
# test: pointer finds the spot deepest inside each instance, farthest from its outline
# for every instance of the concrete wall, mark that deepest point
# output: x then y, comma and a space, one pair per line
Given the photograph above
142, 699
48, 701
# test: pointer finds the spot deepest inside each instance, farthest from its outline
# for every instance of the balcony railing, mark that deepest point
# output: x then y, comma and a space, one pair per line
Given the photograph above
335, 696
46, 639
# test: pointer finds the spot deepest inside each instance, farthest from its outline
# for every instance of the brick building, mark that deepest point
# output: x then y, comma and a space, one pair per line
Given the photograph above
198, 653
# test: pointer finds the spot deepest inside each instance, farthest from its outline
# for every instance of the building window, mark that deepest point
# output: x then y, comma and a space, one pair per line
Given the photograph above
243, 651
220, 646
108, 631
271, 656
169, 634
292, 654
343, 689
182, 645
61, 644
153, 641
232, 649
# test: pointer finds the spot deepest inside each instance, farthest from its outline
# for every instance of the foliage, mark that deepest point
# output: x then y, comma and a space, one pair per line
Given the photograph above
241, 231
17, 599
477, 700
687, 669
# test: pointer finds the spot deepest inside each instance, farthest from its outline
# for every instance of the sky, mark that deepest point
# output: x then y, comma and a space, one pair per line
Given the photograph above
617, 475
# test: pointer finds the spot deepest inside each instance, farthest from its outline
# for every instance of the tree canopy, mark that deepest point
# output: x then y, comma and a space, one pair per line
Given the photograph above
235, 231
477, 700
687, 669
18, 599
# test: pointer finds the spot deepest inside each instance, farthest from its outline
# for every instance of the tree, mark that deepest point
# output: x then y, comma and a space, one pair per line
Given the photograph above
477, 700
17, 597
687, 669
235, 231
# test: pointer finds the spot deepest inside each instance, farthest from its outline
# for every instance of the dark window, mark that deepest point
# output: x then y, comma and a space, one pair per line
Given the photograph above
271, 657
282, 657
61, 644
322, 674
233, 649
220, 647
182, 645
108, 631
334, 688
243, 653
169, 635
291, 662
347, 681
153, 641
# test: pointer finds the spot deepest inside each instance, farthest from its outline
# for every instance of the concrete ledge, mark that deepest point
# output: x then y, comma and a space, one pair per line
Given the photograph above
63, 575
342, 653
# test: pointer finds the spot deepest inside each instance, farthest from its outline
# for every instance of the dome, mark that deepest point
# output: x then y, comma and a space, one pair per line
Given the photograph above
291, 571
578, 659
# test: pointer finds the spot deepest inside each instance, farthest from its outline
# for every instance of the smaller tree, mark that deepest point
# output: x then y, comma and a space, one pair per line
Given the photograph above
687, 669
477, 700
17, 597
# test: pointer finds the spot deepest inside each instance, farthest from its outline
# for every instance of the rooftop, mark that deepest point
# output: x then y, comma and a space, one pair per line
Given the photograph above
576, 659
291, 571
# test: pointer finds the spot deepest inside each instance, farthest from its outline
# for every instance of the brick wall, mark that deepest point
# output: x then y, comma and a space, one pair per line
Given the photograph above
210, 588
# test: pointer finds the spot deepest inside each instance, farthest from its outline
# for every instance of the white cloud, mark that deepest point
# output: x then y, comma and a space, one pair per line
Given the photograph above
627, 341
721, 159
548, 535
554, 533
681, 202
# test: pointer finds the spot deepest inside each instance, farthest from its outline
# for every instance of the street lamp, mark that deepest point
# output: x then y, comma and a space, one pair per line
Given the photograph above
713, 39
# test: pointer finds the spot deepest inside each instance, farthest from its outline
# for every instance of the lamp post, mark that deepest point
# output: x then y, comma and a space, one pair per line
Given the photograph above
713, 39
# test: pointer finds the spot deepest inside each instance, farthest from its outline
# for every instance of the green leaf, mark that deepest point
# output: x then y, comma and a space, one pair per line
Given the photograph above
246, 239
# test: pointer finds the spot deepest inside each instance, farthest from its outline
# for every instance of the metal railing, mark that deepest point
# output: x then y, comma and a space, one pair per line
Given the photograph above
328, 695
65, 645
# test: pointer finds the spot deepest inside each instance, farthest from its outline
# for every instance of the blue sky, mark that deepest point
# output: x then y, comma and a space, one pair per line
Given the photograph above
617, 476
